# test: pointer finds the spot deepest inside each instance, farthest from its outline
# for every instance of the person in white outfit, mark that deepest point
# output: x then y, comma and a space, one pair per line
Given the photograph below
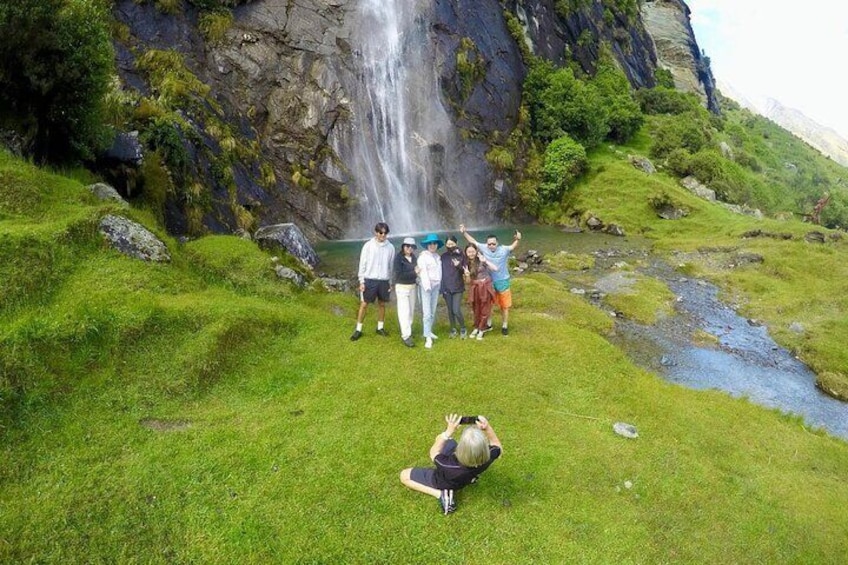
406, 287
430, 275
375, 275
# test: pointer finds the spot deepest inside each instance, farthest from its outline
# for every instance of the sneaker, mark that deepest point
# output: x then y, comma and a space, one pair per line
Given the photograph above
453, 334
408, 342
356, 335
382, 332
474, 333
446, 502
428, 343
463, 334
505, 330
488, 329
434, 336
480, 336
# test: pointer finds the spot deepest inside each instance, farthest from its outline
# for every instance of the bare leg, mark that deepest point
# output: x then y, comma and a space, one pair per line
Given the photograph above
381, 311
363, 306
505, 313
408, 482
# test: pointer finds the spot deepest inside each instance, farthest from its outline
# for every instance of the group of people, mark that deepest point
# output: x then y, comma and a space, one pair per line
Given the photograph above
481, 269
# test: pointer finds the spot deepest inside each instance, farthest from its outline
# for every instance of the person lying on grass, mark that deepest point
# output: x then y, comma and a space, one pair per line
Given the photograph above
457, 464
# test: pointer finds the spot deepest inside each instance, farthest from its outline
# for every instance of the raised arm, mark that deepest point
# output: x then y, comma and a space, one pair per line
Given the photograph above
484, 425
452, 421
515, 239
467, 235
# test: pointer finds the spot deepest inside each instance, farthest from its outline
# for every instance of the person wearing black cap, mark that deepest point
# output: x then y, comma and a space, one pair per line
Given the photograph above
453, 287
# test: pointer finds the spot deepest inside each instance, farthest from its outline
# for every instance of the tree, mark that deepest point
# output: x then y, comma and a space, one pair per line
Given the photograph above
565, 161
56, 61
624, 116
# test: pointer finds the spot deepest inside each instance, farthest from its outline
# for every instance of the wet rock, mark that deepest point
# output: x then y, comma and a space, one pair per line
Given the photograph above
126, 148
667, 361
133, 239
614, 229
594, 223
104, 191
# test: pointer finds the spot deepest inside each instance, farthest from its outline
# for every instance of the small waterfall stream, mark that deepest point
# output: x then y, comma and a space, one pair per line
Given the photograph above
394, 148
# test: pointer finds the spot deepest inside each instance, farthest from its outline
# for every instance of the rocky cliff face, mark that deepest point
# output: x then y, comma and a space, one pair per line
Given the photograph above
282, 78
667, 22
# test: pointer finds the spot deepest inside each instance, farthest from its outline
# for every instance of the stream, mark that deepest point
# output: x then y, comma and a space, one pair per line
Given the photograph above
745, 361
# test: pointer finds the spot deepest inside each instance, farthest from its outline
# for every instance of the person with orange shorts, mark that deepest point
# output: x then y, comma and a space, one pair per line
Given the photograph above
499, 256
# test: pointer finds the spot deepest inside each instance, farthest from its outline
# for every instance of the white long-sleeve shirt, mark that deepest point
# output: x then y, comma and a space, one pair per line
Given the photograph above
430, 269
376, 260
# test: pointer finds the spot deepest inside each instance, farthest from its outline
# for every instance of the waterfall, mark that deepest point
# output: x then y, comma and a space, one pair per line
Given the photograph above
394, 145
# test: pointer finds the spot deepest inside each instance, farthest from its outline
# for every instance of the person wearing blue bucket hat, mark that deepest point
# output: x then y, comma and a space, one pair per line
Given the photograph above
430, 274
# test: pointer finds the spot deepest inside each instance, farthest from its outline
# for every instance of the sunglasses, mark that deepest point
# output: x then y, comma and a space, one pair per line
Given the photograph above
491, 243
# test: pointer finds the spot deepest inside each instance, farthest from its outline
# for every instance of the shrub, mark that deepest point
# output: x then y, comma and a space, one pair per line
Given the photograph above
561, 104
679, 162
56, 61
624, 116
688, 131
664, 78
664, 100
565, 160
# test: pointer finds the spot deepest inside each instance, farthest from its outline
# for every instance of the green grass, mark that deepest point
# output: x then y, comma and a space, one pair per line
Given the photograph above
279, 440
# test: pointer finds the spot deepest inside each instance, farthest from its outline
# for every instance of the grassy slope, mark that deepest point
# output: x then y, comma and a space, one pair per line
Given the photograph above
295, 435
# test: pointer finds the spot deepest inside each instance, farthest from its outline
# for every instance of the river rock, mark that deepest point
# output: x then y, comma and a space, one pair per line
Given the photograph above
287, 237
133, 239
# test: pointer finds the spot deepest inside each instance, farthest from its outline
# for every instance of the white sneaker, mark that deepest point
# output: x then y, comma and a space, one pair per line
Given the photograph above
480, 336
428, 343
474, 333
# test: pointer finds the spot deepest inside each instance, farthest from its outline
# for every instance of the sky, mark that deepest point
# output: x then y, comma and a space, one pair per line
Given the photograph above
790, 51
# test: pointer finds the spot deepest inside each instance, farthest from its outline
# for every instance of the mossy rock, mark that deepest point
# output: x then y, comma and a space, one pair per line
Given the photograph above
834, 384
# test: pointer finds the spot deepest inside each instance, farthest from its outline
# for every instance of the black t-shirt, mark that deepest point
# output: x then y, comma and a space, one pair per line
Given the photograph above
451, 474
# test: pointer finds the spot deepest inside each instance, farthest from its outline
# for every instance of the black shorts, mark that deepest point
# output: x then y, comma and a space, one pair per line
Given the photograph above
375, 290
423, 476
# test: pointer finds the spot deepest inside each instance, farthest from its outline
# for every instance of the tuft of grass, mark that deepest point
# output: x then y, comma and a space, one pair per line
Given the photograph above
645, 301
214, 25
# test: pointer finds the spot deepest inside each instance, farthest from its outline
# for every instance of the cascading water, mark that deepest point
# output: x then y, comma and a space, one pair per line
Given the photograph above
394, 145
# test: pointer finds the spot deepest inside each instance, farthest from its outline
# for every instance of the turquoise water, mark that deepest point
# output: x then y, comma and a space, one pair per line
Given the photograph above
340, 258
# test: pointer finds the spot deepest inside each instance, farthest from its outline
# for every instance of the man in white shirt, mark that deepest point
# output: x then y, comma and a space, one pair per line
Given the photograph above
375, 275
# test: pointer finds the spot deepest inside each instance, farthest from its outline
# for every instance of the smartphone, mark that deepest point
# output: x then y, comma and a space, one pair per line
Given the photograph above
465, 420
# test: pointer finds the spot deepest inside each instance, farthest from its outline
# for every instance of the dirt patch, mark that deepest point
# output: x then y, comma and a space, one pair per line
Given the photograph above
158, 425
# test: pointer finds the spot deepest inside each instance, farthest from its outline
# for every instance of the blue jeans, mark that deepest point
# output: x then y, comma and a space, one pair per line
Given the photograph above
429, 301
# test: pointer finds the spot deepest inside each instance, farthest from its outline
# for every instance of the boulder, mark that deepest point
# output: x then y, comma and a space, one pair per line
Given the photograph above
104, 191
697, 188
290, 274
287, 237
133, 239
643, 164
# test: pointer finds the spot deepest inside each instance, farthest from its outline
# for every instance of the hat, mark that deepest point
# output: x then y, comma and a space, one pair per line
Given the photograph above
431, 238
451, 239
409, 241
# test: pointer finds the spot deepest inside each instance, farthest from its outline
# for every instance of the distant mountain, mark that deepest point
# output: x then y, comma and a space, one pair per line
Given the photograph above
821, 137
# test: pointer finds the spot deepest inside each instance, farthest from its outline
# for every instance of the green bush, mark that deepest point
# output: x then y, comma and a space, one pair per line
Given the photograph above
56, 60
689, 131
565, 160
624, 116
679, 162
561, 104
665, 100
